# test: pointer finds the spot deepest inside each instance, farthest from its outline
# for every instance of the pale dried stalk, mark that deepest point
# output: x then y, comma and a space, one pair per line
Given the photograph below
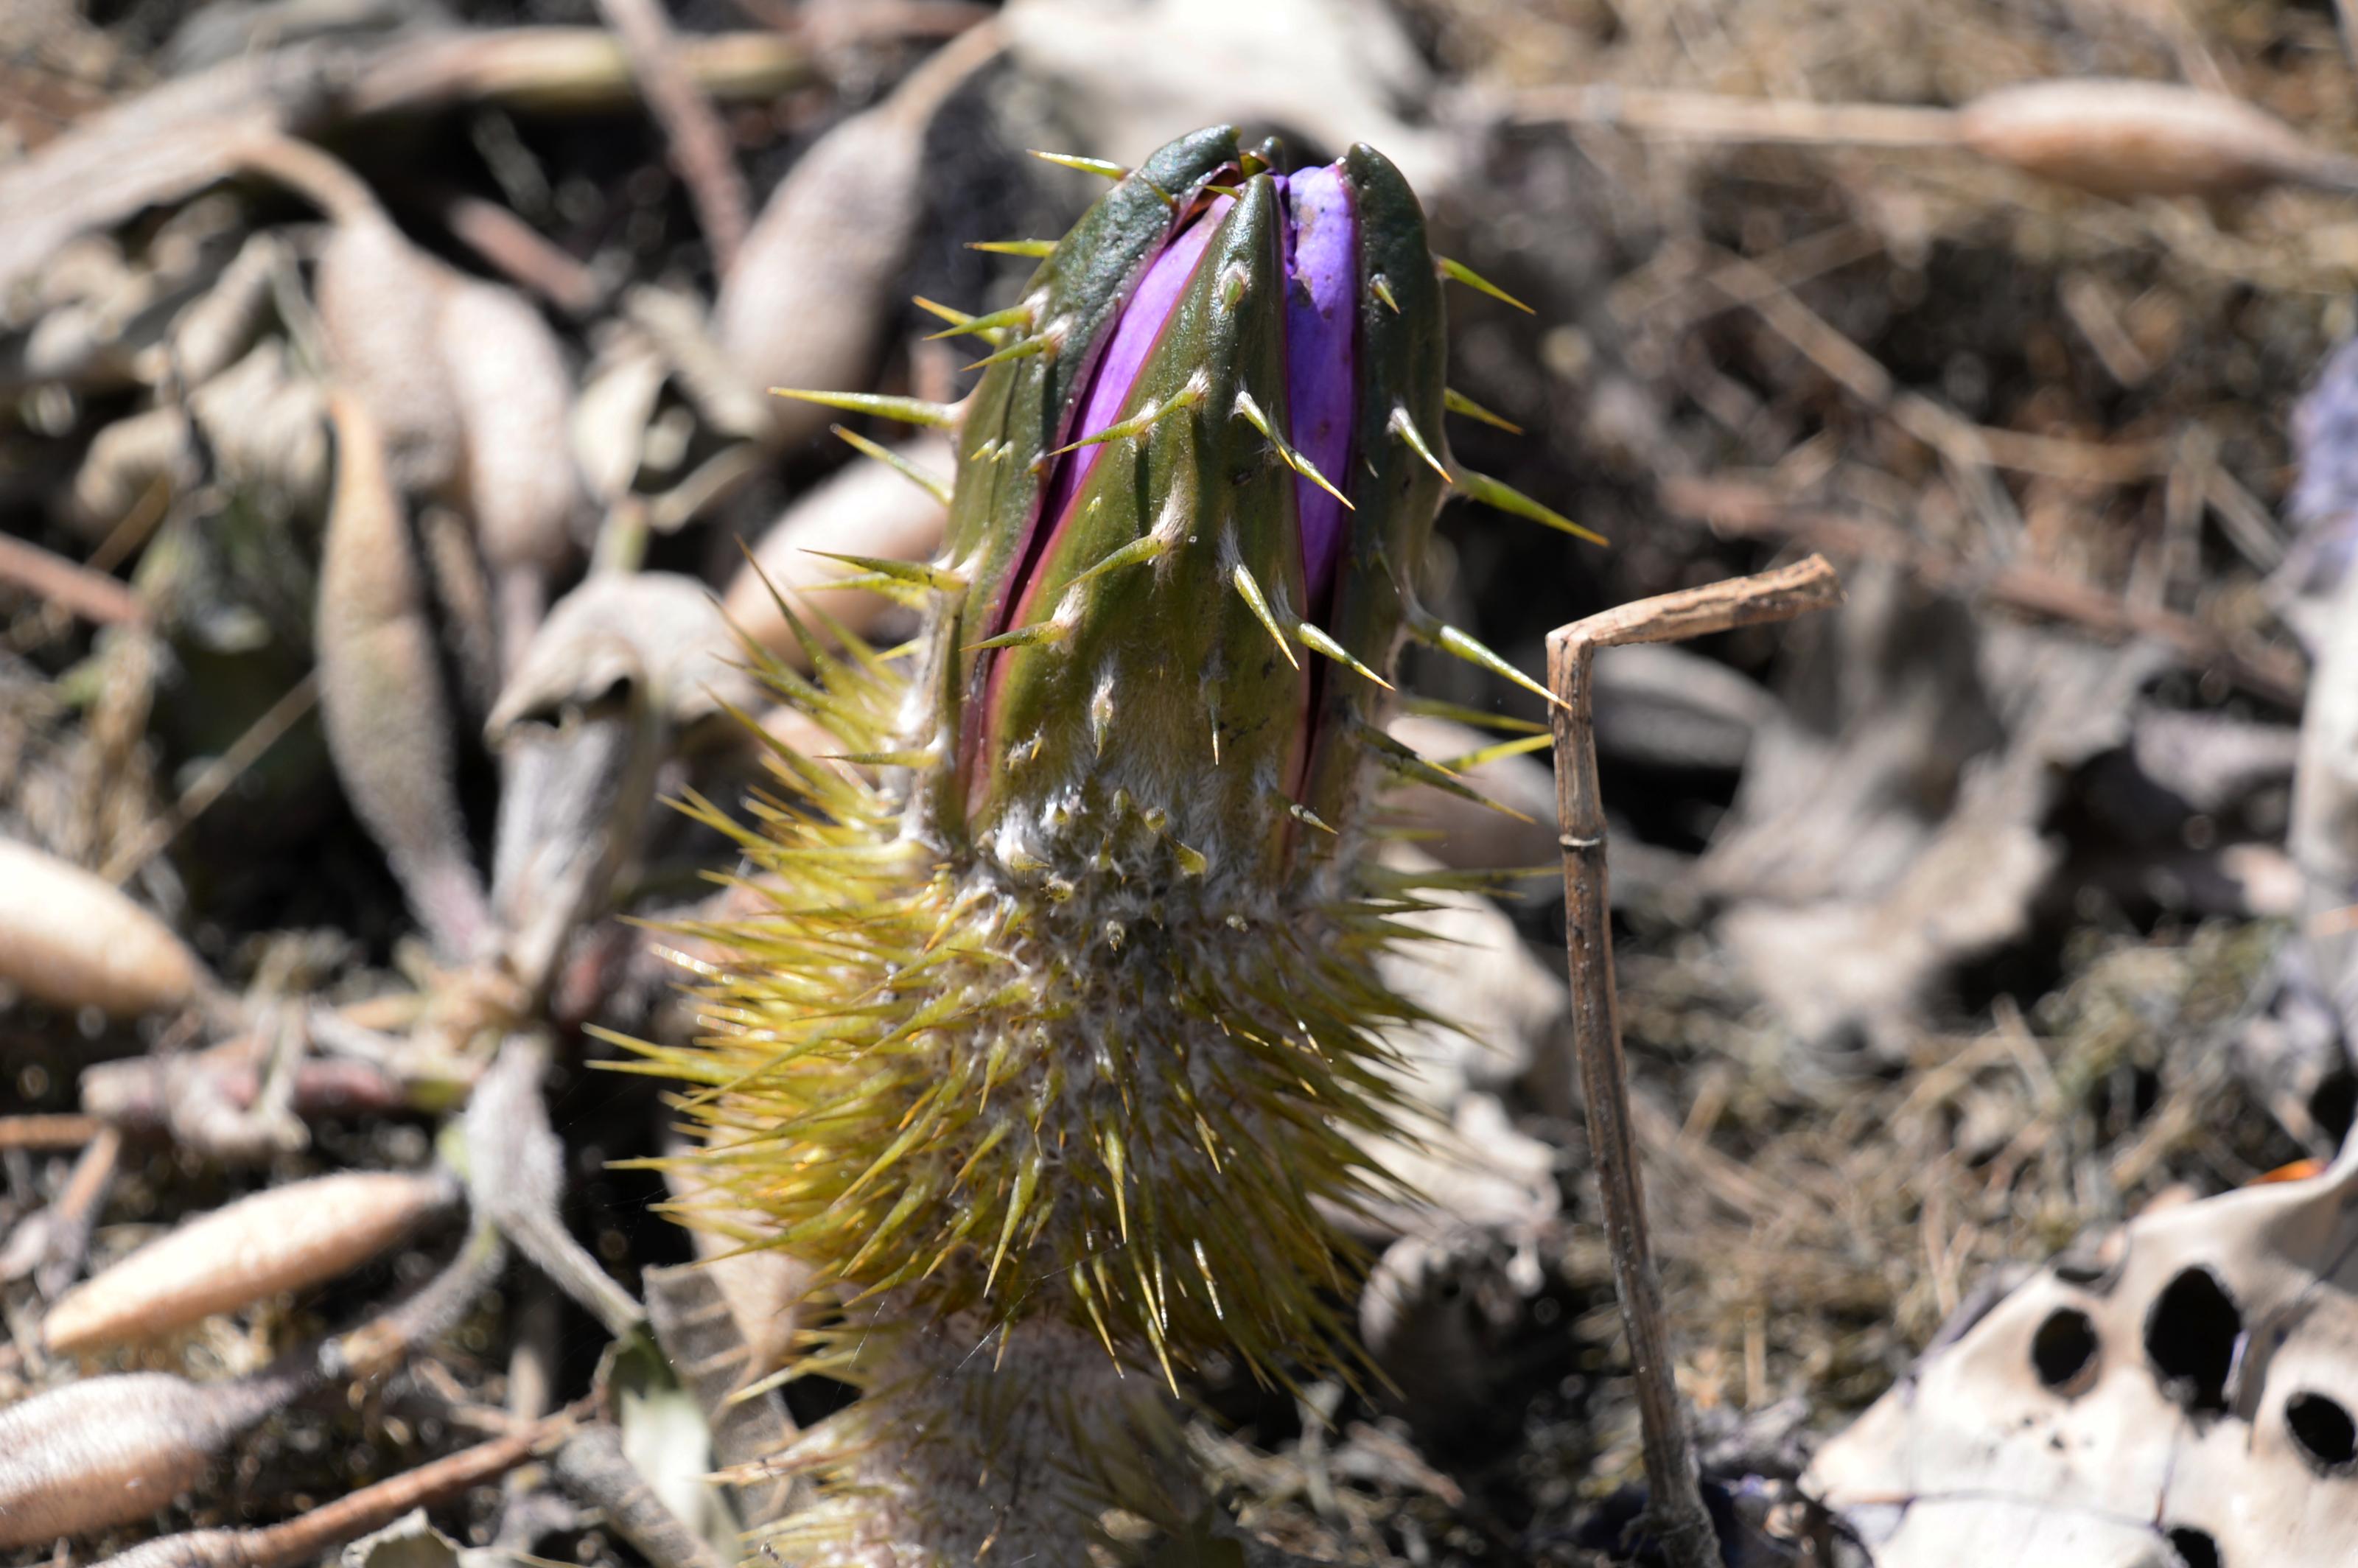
72, 940
55, 1129
1675, 1505
2113, 138
307, 1535
94, 596
214, 780
109, 1450
283, 1239
1719, 117
50, 1245
519, 252
564, 68
700, 150
196, 1097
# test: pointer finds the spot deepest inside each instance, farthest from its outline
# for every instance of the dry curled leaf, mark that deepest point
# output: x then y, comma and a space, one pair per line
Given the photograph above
283, 1239
2144, 138
626, 665
74, 940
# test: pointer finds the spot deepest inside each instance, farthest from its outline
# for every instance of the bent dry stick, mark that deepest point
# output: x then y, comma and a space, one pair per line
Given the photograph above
1675, 1506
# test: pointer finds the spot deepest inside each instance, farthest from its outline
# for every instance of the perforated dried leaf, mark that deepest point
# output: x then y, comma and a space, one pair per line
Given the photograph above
2183, 1394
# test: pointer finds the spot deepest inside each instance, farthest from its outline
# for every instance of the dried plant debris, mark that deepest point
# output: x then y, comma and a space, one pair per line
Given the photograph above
2183, 1386
417, 344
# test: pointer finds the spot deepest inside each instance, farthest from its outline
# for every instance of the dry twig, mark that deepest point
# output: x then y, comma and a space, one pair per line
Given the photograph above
94, 596
1675, 1505
699, 143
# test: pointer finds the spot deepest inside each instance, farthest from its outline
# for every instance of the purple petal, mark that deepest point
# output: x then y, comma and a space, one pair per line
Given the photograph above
1322, 289
1138, 328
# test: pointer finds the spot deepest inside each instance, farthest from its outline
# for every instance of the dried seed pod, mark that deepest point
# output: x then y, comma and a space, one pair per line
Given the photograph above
2144, 138
74, 940
806, 301
381, 303
109, 1450
381, 694
866, 510
279, 1240
464, 377
514, 403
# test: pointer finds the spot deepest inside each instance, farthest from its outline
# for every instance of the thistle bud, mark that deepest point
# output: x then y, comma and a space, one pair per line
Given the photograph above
1204, 462
1060, 1023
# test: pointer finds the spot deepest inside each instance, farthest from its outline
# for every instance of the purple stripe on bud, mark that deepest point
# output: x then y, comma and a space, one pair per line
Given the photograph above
1322, 266
1137, 329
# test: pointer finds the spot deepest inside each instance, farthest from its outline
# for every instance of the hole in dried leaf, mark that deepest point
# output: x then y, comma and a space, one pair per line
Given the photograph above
2190, 1336
2063, 1351
2322, 1430
2334, 1105
2195, 1548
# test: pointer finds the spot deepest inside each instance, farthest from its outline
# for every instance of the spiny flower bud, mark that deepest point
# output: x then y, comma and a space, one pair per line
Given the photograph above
1215, 473
1062, 1023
